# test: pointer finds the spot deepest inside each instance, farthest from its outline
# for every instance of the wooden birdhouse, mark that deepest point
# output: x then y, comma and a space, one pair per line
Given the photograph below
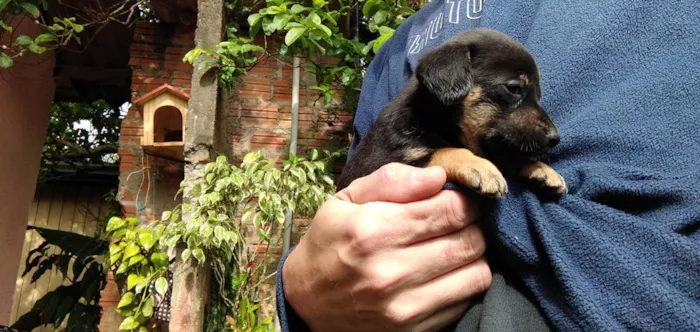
164, 113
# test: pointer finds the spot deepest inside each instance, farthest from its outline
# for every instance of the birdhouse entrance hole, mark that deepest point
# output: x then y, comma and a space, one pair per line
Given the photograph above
167, 125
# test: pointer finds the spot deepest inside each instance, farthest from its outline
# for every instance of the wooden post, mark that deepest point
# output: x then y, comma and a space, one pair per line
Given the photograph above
191, 281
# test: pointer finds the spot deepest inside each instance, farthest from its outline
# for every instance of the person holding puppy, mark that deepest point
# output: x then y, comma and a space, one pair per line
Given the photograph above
395, 251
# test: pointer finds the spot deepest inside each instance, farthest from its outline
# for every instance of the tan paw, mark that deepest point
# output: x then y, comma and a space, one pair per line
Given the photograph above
483, 177
545, 177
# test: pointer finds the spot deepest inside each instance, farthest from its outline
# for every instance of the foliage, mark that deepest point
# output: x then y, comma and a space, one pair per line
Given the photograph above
79, 135
79, 300
310, 28
227, 203
230, 58
135, 254
57, 31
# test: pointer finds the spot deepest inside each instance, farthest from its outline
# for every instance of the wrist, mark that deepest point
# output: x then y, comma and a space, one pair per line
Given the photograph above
294, 285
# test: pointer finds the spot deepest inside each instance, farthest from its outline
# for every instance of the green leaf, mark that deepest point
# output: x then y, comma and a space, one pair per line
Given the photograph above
143, 329
380, 41
314, 154
370, 7
318, 3
122, 268
129, 323
23, 40
31, 9
131, 250
383, 30
207, 64
186, 254
136, 259
44, 38
293, 34
325, 29
254, 19
160, 260
199, 255
114, 249
147, 310
146, 240
246, 216
220, 233
5, 26
132, 280
3, 4
126, 299
161, 286
327, 179
296, 8
115, 223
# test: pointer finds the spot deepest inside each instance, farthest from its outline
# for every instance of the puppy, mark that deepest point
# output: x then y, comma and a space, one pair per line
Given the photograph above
472, 107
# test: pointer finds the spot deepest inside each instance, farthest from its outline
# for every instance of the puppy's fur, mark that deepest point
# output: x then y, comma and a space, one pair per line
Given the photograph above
472, 104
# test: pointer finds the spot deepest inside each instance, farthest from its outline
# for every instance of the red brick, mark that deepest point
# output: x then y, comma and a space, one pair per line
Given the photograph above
302, 116
253, 80
181, 83
182, 75
282, 97
176, 65
262, 71
259, 122
248, 94
268, 139
301, 110
262, 133
130, 140
284, 84
177, 50
125, 168
268, 146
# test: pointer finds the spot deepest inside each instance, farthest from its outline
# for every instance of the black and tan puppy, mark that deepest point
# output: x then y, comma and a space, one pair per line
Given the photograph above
472, 104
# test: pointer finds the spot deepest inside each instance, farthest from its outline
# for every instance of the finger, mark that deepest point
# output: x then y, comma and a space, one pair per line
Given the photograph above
441, 214
443, 317
395, 182
454, 287
440, 255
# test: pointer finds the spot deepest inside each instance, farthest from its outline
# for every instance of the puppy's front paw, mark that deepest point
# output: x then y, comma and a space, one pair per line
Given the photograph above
545, 177
483, 177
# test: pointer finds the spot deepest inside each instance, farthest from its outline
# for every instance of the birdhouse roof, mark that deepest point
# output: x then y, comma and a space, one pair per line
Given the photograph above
165, 88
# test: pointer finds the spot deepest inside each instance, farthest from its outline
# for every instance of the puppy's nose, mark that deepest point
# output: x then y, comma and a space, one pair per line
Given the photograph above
553, 138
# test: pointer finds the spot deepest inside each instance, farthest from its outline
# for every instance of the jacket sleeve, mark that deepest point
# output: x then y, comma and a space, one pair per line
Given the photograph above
373, 98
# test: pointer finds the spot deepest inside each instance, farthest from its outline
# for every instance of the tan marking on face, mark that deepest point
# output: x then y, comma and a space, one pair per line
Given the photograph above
474, 96
413, 154
477, 116
525, 79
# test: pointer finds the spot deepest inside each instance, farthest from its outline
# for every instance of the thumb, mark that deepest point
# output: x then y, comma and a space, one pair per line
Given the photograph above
396, 183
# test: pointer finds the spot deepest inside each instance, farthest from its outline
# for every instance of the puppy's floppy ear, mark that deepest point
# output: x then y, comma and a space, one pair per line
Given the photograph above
446, 72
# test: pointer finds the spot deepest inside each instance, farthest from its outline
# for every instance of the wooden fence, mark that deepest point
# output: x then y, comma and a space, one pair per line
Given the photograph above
68, 206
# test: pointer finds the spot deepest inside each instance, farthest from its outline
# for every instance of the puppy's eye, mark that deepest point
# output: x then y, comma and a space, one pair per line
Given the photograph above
515, 88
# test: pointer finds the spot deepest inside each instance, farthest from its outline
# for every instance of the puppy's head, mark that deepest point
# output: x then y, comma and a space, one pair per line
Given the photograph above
492, 85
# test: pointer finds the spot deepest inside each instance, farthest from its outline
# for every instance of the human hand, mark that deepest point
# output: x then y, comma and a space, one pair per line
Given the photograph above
392, 251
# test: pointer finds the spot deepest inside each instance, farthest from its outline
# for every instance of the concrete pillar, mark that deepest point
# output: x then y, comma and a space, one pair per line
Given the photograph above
26, 94
191, 281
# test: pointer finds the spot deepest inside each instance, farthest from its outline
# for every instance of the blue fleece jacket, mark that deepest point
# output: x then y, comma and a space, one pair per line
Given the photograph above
619, 78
